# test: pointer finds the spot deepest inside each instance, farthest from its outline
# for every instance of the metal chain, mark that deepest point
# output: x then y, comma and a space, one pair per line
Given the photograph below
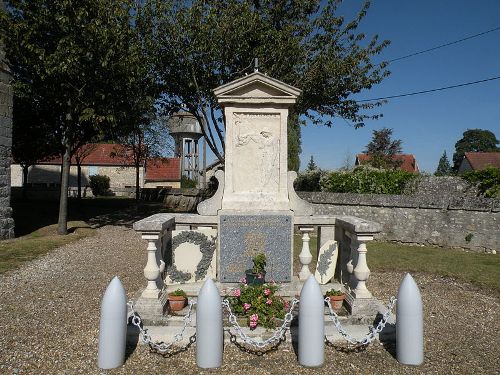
160, 347
373, 331
274, 339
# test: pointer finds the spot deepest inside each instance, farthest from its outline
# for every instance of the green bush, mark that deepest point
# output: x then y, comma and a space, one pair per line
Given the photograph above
308, 181
99, 185
487, 180
187, 182
366, 180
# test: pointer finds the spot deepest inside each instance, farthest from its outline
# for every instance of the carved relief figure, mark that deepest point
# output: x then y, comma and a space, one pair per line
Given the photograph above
268, 145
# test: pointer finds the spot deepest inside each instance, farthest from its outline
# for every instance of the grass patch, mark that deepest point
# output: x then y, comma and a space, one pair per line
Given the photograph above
480, 269
17, 251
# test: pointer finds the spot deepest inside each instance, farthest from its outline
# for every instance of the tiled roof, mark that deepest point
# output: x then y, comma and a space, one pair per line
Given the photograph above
163, 169
100, 154
409, 163
480, 160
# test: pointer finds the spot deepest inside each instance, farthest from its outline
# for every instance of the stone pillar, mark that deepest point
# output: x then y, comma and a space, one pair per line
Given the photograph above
6, 221
152, 303
305, 255
361, 271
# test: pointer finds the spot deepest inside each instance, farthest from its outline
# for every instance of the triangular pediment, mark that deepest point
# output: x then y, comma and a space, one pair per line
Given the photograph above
257, 87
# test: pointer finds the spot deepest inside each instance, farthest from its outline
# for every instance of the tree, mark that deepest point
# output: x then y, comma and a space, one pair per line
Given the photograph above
202, 45
382, 150
311, 166
79, 155
474, 140
78, 60
444, 167
147, 140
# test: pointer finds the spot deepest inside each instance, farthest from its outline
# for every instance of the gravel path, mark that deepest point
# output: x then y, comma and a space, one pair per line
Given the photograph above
49, 319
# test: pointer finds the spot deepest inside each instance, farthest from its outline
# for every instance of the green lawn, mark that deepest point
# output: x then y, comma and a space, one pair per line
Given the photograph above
480, 269
17, 251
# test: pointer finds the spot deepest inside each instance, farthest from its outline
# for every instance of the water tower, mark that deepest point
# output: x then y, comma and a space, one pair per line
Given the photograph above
186, 131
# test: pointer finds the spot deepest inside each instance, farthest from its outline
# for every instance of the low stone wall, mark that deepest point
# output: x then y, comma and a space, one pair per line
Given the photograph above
457, 221
175, 200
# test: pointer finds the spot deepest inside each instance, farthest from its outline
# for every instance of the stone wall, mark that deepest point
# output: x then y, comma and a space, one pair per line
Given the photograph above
6, 221
446, 215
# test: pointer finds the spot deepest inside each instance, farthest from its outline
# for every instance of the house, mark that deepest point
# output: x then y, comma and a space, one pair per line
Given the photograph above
112, 160
408, 161
474, 161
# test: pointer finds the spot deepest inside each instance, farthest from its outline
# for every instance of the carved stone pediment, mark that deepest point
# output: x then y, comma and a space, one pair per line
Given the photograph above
257, 88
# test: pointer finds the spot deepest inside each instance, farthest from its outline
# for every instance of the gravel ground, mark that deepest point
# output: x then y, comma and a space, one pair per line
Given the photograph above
49, 312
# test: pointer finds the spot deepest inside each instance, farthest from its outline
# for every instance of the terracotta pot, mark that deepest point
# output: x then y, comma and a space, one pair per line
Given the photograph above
176, 303
337, 301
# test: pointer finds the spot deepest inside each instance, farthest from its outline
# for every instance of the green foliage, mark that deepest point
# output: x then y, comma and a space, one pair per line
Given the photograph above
474, 140
487, 180
259, 263
309, 180
311, 166
334, 292
366, 180
99, 185
178, 293
305, 43
187, 183
259, 301
444, 167
294, 142
382, 150
469, 237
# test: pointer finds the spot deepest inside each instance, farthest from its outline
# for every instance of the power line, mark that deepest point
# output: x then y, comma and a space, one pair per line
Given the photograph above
443, 45
427, 91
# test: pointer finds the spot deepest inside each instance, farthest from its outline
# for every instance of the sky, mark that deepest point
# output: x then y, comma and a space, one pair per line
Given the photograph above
431, 123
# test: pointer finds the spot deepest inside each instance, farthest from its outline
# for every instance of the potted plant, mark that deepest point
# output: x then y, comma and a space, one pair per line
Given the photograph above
336, 298
177, 300
257, 274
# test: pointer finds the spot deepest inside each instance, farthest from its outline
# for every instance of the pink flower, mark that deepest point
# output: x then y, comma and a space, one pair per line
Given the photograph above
269, 301
246, 306
236, 292
286, 305
253, 320
267, 292
243, 280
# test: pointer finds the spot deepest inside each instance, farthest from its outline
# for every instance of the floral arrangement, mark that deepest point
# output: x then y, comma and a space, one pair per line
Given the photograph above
259, 304
178, 293
333, 292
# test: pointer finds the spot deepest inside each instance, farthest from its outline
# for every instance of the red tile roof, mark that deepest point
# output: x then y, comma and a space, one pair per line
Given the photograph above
163, 169
409, 163
100, 154
481, 160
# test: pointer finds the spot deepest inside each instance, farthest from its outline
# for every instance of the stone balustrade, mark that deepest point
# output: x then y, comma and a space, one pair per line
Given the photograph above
351, 234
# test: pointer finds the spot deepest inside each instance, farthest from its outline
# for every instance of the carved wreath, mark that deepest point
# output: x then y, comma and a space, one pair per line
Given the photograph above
207, 248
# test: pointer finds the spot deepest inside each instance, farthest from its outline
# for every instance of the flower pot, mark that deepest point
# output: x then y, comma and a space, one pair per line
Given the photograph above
255, 278
337, 301
176, 303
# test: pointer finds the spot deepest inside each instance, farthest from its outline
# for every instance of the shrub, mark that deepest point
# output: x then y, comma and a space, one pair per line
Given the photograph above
259, 304
487, 180
308, 181
365, 180
187, 182
99, 185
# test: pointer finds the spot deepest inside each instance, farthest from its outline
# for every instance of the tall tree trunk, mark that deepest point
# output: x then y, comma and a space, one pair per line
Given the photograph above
137, 180
79, 180
62, 224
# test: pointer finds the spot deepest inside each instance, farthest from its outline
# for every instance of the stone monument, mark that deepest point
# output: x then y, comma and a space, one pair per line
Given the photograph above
254, 210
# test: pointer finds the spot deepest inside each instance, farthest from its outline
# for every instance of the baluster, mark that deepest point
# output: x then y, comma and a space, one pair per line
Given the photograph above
305, 255
152, 269
361, 270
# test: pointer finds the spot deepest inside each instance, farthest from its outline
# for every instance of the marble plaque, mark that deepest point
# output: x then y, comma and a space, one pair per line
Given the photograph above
327, 262
244, 236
